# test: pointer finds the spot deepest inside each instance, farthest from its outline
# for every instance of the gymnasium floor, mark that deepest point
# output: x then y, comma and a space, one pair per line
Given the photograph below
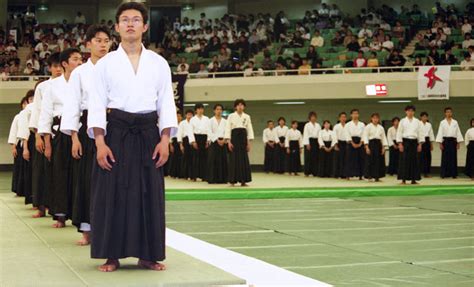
362, 234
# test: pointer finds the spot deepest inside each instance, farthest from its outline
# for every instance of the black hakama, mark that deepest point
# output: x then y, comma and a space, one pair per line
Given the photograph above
17, 163
327, 161
175, 160
24, 178
280, 156
311, 158
239, 164
199, 157
354, 159
128, 202
409, 164
469, 169
82, 172
217, 163
294, 158
375, 161
425, 156
27, 171
340, 159
61, 194
393, 159
269, 161
41, 178
187, 162
449, 158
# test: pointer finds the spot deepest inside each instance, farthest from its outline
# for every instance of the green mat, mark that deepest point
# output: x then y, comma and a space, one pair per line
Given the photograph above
274, 193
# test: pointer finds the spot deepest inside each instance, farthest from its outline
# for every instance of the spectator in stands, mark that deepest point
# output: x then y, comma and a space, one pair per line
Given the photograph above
10, 47
388, 44
184, 64
243, 47
182, 69
468, 41
423, 42
395, 59
80, 18
267, 63
280, 69
353, 46
365, 33
437, 42
363, 47
28, 70
324, 11
250, 70
214, 65
334, 12
432, 58
5, 73
311, 55
317, 40
372, 62
203, 52
418, 61
35, 64
280, 26
466, 27
360, 61
470, 50
448, 58
348, 38
375, 45
398, 32
337, 40
385, 26
223, 58
467, 63
202, 73
305, 68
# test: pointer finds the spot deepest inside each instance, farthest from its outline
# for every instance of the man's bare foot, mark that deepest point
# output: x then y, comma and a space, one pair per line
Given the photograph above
59, 224
110, 265
151, 265
39, 214
244, 184
84, 240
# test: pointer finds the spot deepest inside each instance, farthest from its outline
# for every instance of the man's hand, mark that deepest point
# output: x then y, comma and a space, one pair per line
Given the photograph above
418, 148
308, 147
26, 153
39, 143
195, 145
230, 146
162, 148
458, 146
14, 151
441, 146
288, 151
47, 152
400, 147
367, 150
248, 147
171, 148
76, 149
104, 153
181, 147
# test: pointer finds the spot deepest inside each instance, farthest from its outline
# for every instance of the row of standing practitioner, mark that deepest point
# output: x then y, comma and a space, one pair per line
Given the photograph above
353, 149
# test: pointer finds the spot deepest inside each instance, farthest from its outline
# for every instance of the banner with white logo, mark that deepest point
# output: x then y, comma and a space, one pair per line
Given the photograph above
433, 82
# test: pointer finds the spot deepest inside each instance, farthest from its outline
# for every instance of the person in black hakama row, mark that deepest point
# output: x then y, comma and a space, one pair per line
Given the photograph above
310, 141
41, 167
409, 138
132, 116
199, 139
238, 136
176, 155
217, 158
394, 153
57, 144
427, 147
184, 129
355, 154
327, 141
280, 150
27, 143
449, 138
375, 143
74, 123
269, 138
341, 146
294, 148
16, 150
469, 140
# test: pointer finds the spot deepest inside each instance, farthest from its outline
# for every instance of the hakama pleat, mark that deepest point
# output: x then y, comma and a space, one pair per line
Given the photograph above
187, 162
294, 158
17, 169
327, 161
217, 164
311, 158
409, 164
449, 158
280, 156
354, 159
128, 202
175, 160
199, 157
425, 156
269, 161
393, 160
375, 162
341, 159
469, 168
41, 177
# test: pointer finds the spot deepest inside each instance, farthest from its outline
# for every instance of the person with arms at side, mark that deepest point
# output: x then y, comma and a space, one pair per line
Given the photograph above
327, 140
375, 142
311, 147
394, 153
199, 138
341, 146
449, 138
355, 153
294, 146
217, 163
280, 151
427, 147
270, 139
469, 140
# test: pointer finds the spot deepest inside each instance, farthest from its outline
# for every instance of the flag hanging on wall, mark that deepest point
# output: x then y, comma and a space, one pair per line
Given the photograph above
433, 82
178, 90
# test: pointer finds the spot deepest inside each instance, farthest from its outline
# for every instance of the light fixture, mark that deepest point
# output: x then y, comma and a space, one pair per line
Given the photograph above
289, 103
192, 105
187, 7
394, 101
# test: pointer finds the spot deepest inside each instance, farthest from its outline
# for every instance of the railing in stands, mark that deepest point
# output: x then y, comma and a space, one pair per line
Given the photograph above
278, 73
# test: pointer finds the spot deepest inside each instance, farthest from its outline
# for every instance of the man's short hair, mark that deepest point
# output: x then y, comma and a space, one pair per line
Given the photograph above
132, 6
410, 107
94, 29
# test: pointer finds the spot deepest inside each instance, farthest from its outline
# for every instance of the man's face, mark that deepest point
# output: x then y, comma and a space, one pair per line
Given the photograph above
200, 111
355, 115
130, 25
99, 45
56, 70
271, 125
75, 60
218, 111
189, 116
343, 118
240, 108
448, 113
410, 113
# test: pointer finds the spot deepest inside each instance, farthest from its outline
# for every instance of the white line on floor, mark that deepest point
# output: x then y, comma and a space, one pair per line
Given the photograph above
273, 246
342, 265
254, 271
444, 261
408, 241
230, 232
448, 248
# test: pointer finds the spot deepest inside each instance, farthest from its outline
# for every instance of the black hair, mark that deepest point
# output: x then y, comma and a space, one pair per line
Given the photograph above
269, 121
312, 114
66, 54
470, 123
218, 105
342, 113
179, 112
189, 111
410, 107
30, 94
354, 110
448, 108
395, 119
140, 7
281, 118
198, 106
294, 122
375, 115
53, 59
422, 114
94, 29
238, 102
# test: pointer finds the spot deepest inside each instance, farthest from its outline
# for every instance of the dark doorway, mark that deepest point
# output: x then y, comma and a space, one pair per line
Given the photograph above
159, 18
